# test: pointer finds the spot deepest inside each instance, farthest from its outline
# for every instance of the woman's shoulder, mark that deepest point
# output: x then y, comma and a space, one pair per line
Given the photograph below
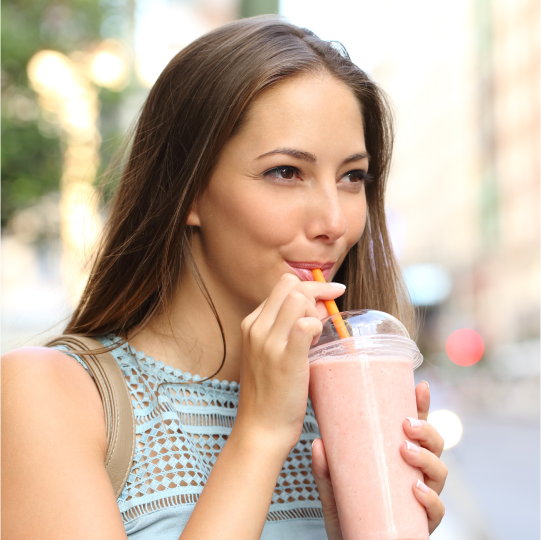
30, 363
49, 382
53, 448
39, 357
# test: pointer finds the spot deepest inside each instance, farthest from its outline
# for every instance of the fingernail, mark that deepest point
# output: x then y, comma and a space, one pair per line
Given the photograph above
422, 487
339, 285
427, 385
412, 447
414, 422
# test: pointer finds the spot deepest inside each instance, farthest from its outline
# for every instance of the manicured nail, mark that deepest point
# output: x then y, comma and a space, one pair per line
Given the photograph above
427, 385
412, 447
421, 487
414, 422
339, 285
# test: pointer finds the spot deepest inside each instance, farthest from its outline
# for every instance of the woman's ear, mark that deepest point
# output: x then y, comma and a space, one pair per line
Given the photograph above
193, 217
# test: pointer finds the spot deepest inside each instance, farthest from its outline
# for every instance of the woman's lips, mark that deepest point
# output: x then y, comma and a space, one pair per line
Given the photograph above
304, 269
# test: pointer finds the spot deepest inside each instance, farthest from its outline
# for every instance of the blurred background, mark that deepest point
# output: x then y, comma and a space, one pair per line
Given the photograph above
463, 200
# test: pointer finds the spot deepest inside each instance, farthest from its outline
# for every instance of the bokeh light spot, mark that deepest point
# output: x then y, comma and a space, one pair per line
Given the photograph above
448, 425
108, 69
465, 347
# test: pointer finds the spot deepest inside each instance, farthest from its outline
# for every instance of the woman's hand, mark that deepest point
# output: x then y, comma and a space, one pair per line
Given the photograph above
275, 372
425, 457
320, 471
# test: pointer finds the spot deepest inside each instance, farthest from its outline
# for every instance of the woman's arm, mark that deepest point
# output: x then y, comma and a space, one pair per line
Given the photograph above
236, 498
272, 407
54, 483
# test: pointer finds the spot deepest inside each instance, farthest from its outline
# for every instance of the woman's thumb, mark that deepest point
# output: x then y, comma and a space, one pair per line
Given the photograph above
322, 477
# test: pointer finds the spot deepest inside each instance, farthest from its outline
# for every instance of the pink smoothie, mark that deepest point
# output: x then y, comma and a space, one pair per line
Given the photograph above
360, 402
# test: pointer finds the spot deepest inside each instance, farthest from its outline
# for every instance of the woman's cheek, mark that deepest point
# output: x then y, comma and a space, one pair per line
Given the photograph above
277, 222
356, 219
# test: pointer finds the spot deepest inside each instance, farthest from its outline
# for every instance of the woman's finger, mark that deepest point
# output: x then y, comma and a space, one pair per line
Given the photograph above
321, 294
303, 333
433, 468
295, 306
324, 291
260, 321
252, 317
322, 312
286, 284
322, 477
425, 433
422, 394
435, 510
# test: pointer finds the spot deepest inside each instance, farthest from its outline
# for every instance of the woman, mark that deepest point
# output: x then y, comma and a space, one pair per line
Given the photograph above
249, 166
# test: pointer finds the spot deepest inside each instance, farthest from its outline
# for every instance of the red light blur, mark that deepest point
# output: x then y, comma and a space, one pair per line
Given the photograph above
465, 347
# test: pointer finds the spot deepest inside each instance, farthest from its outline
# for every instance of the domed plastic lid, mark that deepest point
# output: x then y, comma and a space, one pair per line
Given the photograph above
369, 329
363, 322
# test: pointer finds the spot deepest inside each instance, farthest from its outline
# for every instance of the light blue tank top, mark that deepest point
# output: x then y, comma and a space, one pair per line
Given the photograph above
176, 451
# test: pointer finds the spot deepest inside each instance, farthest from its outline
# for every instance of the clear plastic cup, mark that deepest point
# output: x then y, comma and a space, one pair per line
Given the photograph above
362, 389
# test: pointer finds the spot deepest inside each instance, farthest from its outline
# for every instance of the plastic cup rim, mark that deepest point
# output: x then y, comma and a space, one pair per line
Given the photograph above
369, 339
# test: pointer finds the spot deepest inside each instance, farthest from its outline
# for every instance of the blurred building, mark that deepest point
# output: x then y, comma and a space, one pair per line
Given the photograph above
464, 188
505, 280
164, 27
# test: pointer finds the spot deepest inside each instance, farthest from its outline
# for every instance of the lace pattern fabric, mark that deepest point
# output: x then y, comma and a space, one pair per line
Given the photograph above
180, 431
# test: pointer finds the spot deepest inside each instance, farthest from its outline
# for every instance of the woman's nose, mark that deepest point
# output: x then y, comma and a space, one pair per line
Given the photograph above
327, 220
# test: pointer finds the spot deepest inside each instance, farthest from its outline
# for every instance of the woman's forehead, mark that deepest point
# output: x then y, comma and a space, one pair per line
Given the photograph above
311, 106
304, 94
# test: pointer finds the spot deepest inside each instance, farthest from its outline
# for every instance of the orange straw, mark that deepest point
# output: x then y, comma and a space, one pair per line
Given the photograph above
332, 308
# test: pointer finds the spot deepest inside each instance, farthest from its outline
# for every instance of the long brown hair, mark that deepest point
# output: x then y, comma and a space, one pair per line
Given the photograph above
195, 106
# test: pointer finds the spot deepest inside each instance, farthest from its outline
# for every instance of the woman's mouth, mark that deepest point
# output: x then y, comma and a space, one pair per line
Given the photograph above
304, 269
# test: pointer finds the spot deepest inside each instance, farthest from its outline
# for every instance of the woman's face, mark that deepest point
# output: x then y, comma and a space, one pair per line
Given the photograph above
287, 190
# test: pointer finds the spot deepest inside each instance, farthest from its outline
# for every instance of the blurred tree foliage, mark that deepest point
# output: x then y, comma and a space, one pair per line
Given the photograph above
31, 147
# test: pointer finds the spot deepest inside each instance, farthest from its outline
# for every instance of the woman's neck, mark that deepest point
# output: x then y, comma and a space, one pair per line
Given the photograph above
187, 335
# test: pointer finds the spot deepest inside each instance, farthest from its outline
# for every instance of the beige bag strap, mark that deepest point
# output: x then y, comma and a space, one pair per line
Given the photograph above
117, 406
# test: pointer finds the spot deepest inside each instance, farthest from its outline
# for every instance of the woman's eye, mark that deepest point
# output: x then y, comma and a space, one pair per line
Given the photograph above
358, 176
284, 173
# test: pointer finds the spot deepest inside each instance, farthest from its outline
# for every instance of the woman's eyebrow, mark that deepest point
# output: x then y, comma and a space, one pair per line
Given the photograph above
299, 154
356, 157
310, 158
